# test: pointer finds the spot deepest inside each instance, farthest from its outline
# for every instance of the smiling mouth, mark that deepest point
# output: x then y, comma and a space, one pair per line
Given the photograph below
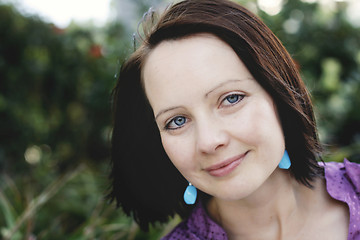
226, 167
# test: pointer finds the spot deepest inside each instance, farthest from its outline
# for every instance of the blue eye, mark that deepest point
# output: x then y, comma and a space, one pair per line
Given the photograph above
179, 120
176, 122
233, 98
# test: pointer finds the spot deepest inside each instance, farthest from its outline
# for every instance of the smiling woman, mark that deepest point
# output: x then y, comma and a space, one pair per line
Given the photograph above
212, 100
213, 116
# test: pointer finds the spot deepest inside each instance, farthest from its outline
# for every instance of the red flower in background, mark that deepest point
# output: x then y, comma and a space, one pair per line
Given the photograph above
96, 51
57, 30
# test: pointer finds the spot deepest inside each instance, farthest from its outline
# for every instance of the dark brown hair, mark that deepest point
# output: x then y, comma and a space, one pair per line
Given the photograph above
144, 182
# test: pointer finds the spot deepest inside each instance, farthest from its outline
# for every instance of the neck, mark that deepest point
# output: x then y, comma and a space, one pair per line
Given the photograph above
279, 204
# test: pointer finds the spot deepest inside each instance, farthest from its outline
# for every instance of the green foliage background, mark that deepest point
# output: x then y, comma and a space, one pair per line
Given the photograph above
56, 121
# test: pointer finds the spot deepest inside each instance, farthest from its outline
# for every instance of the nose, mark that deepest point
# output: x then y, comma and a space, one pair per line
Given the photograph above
211, 135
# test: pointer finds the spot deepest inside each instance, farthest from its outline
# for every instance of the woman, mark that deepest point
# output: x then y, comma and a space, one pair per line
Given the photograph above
211, 102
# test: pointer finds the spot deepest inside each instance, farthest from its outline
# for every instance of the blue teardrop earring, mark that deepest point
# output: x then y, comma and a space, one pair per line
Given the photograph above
190, 194
285, 162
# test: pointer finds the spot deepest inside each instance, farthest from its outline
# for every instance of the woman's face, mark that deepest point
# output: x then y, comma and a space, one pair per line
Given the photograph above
218, 126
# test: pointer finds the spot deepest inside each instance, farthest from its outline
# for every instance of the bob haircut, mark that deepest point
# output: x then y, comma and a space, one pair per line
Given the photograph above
144, 181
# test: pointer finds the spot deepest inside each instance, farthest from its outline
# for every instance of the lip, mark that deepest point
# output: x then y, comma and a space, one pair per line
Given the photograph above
226, 167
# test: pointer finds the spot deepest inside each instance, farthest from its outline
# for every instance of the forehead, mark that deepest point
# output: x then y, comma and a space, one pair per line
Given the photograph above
176, 50
177, 70
194, 56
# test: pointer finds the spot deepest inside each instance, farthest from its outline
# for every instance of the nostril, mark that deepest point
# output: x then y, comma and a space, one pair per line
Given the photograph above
219, 146
210, 143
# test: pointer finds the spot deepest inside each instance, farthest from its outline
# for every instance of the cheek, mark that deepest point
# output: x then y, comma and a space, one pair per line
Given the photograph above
179, 151
260, 126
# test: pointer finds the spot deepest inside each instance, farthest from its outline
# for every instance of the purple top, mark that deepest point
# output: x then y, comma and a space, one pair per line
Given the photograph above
342, 183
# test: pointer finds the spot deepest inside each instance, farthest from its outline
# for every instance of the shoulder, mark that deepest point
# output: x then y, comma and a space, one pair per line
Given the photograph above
343, 184
198, 226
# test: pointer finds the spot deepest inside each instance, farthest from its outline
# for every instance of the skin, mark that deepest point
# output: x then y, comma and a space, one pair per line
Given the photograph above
211, 112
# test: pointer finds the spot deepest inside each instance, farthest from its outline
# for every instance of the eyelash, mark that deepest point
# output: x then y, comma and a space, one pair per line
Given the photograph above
240, 98
167, 125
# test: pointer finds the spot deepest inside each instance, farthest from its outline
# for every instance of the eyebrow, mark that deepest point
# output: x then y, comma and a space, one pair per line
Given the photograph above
166, 110
222, 84
206, 95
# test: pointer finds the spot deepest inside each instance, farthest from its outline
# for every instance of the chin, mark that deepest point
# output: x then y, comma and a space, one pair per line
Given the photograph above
235, 193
